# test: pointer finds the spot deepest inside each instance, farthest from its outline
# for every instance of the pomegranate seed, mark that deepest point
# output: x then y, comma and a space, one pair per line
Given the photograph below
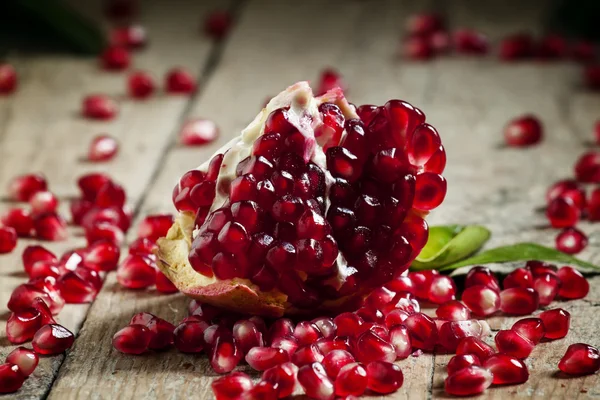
329, 79
105, 231
519, 301
453, 310
315, 382
481, 300
217, 24
442, 289
247, 335
8, 239
507, 370
395, 317
523, 131
43, 202
8, 79
562, 213
22, 325
516, 47
461, 361
473, 345
384, 377
52, 339
164, 284
567, 188
573, 284
480, 275
539, 268
179, 81
351, 380
140, 85
552, 47
130, 36
307, 355
23, 187
597, 131
19, 219
348, 324
423, 331
424, 24
143, 246
34, 254
136, 272
326, 327
307, 333
451, 333
546, 286
162, 336
511, 343
101, 256
580, 359
11, 378
262, 358
401, 284
468, 381
51, 226
287, 343
532, 329
283, 377
587, 168
26, 359
225, 354
370, 347
379, 298
417, 48
520, 277
421, 281
115, 58
154, 227
556, 323
75, 289
232, 386
400, 339
99, 106
470, 42
591, 74
23, 296
197, 132
102, 148
133, 339
335, 360
593, 206
189, 336
91, 184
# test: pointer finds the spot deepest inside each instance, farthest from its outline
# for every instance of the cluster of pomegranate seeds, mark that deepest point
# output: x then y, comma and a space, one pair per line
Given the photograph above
103, 148
115, 58
140, 85
8, 79
99, 107
218, 24
426, 36
198, 132
523, 131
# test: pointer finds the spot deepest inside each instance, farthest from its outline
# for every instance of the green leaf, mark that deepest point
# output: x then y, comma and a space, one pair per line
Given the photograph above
450, 244
519, 252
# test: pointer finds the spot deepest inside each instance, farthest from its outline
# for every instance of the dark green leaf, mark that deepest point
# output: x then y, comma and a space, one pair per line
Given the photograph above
519, 252
450, 244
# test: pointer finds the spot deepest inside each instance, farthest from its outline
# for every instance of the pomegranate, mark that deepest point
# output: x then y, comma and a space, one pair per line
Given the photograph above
384, 377
573, 283
580, 359
273, 224
8, 79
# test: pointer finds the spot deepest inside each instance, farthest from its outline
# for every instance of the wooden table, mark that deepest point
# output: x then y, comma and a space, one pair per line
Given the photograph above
274, 44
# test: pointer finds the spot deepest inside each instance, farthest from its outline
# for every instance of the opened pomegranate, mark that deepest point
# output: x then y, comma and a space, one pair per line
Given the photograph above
314, 204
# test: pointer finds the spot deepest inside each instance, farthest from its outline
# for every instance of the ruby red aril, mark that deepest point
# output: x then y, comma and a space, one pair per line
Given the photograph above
523, 131
401, 284
232, 386
23, 187
481, 300
551, 47
161, 331
142, 246
136, 272
50, 226
520, 277
8, 79
115, 58
225, 354
400, 339
283, 378
348, 324
403, 301
306, 333
476, 346
52, 339
262, 358
597, 131
470, 42
154, 227
453, 310
289, 344
371, 347
329, 80
351, 380
164, 285
140, 85
573, 283
261, 391
189, 336
532, 329
568, 188
102, 255
20, 219
519, 301
424, 24
587, 168
480, 275
468, 381
461, 361
547, 286
452, 332
23, 295
591, 76
179, 81
580, 359
326, 326
90, 184
40, 306
133, 339
198, 132
315, 382
102, 148
562, 212
128, 36
307, 355
384, 377
75, 288
26, 359
43, 269
593, 205
511, 343
417, 48
104, 231
217, 24
43, 202
8, 239
423, 331
442, 289
421, 281
111, 195
22, 325
539, 268
507, 370
516, 47
247, 335
335, 360
11, 378
99, 106
556, 323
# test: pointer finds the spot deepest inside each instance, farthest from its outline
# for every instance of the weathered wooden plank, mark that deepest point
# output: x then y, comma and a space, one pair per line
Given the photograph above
235, 93
41, 130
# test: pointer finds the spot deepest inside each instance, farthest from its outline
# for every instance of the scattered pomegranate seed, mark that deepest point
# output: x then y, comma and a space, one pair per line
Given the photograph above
330, 79
547, 286
26, 359
384, 377
140, 85
423, 331
451, 333
129, 36
22, 325
51, 226
442, 289
583, 51
507, 370
556, 323
417, 48
424, 24
587, 167
593, 205
453, 310
591, 74
475, 346
516, 47
225, 354
283, 377
23, 187
580, 359
315, 382
8, 239
104, 231
520, 277
568, 188
468, 381
77, 286
519, 301
532, 329
115, 58
470, 42
351, 380
511, 343
103, 148
43, 202
480, 275
232, 386
52, 339
571, 241
11, 378
461, 361
421, 281
8, 79
133, 339
335, 360
552, 47
179, 81
597, 131
523, 131
164, 284
101, 256
154, 227
573, 284
136, 272
197, 132
19, 219
371, 347
262, 358
217, 24
481, 300
99, 106
189, 336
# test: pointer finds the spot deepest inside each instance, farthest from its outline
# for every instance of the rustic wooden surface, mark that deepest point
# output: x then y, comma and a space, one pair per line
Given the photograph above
469, 100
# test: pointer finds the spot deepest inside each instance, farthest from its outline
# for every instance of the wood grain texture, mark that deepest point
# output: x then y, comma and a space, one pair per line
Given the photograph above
41, 130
